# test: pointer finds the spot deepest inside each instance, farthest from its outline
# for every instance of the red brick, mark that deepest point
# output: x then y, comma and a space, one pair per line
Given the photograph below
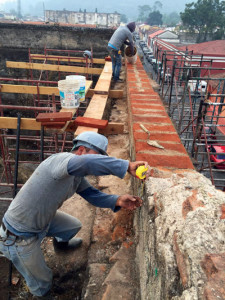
177, 162
214, 268
213, 263
133, 90
181, 264
144, 79
145, 101
191, 203
222, 212
147, 111
151, 119
141, 146
160, 137
144, 85
155, 127
147, 105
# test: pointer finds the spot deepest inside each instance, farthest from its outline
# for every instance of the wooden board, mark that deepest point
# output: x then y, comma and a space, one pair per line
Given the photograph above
117, 94
104, 81
32, 124
95, 110
41, 90
66, 58
48, 67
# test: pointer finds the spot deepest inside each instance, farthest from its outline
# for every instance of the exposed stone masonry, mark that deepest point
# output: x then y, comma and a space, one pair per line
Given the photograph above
180, 229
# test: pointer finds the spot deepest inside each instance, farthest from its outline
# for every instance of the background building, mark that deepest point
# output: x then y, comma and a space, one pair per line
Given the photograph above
92, 18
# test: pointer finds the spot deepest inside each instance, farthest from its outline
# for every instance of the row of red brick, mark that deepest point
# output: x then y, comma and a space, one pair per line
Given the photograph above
146, 108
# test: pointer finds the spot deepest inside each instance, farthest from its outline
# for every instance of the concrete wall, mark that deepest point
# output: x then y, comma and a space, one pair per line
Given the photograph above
16, 39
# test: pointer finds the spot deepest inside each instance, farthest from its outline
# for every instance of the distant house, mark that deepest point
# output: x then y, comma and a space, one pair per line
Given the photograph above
6, 16
92, 18
164, 35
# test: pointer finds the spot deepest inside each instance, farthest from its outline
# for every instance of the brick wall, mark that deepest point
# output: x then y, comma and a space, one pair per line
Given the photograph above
146, 107
180, 226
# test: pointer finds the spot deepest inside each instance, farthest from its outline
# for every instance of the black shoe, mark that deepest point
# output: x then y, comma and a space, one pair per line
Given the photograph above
70, 245
119, 80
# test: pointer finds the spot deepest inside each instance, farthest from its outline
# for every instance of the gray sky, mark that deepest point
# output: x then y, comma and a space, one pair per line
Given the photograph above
127, 7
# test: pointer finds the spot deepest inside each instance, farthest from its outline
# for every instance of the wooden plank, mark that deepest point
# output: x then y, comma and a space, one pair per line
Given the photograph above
49, 67
11, 123
32, 124
66, 58
116, 94
113, 128
104, 81
95, 110
42, 90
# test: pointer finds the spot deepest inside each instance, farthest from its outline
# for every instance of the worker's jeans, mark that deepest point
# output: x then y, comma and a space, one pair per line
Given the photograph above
116, 62
26, 254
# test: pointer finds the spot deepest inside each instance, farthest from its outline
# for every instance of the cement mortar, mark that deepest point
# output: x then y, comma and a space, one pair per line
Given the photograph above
165, 233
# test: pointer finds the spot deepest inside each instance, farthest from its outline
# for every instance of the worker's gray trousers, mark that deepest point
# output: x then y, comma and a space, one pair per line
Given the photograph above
26, 254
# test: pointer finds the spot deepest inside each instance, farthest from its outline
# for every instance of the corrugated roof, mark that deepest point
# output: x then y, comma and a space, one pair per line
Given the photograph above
212, 47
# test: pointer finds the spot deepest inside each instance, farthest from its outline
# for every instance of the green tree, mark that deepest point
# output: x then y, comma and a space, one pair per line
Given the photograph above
155, 18
171, 19
204, 16
144, 10
157, 6
123, 18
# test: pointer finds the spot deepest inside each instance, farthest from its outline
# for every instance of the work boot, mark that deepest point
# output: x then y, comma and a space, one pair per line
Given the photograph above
70, 245
119, 80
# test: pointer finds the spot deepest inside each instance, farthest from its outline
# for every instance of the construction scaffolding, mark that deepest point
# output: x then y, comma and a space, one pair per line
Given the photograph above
25, 140
193, 91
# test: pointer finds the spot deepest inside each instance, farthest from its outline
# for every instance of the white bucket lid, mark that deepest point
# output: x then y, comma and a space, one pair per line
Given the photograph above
76, 77
68, 84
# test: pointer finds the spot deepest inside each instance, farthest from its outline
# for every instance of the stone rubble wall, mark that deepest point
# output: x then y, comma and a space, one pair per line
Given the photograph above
180, 228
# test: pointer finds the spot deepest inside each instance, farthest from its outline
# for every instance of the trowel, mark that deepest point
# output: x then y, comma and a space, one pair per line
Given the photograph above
149, 142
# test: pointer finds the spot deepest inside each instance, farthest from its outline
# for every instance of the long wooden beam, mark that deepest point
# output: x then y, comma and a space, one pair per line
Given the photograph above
49, 67
32, 124
116, 94
47, 90
104, 81
95, 109
41, 90
66, 58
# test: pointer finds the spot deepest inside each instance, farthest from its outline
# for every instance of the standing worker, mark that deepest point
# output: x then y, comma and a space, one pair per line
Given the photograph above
33, 213
120, 37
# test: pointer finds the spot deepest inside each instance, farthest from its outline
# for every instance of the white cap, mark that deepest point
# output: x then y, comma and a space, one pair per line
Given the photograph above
92, 140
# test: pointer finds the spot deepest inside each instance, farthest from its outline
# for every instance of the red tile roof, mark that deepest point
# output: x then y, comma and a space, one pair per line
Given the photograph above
152, 35
212, 47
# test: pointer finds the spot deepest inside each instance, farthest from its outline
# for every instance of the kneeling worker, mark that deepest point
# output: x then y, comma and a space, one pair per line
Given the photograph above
33, 213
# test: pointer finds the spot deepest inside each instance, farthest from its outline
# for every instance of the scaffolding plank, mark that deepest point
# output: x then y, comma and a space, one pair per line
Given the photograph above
49, 67
95, 110
104, 81
41, 90
26, 123
66, 58
32, 124
117, 94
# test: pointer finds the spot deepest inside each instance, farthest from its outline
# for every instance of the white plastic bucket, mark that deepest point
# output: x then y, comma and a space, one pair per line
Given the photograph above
69, 93
131, 58
82, 80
